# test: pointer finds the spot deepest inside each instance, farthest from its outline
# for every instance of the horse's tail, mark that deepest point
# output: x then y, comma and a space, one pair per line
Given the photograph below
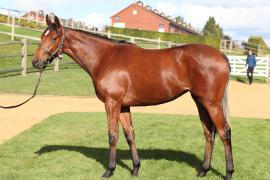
225, 105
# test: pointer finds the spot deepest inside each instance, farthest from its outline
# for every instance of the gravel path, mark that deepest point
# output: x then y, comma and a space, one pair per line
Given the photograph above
245, 101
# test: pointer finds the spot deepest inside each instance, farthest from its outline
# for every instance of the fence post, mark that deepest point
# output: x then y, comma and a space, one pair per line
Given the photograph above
24, 57
8, 16
158, 43
109, 34
132, 40
72, 24
56, 64
169, 44
221, 44
231, 44
13, 28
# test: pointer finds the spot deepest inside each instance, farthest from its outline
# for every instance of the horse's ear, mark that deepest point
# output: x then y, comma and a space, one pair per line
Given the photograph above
57, 22
48, 20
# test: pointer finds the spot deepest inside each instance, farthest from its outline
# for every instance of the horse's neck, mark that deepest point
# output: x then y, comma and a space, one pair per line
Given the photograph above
85, 49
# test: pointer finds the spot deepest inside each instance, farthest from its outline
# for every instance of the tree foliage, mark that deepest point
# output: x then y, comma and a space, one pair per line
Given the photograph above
212, 29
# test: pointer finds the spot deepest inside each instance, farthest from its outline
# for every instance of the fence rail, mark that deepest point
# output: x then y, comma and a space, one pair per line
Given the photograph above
22, 56
238, 66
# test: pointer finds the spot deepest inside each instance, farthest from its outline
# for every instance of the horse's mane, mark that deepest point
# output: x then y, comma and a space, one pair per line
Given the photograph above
96, 35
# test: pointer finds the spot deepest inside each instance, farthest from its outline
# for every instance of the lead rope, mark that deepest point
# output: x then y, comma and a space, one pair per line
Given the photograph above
34, 94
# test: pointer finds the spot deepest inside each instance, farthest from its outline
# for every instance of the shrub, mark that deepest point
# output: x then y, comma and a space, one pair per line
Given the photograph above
173, 37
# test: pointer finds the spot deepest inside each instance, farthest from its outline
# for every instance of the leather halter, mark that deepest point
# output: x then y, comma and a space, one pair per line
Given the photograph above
58, 52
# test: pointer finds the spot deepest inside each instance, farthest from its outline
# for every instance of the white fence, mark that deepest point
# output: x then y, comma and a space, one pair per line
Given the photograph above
238, 66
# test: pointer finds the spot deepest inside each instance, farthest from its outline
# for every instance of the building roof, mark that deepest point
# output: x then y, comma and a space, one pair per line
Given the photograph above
163, 17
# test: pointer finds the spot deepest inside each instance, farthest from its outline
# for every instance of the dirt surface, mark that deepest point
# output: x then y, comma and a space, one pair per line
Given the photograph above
244, 100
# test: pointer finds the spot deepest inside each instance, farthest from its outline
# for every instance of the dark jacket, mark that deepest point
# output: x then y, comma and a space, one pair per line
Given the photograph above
251, 61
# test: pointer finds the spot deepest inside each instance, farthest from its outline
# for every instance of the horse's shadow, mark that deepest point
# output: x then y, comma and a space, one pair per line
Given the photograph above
99, 154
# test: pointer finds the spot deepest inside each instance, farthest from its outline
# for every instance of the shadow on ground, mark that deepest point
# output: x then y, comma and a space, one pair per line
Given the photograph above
99, 153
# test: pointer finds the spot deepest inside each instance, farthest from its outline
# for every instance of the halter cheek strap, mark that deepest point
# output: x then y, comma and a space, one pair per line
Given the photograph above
58, 52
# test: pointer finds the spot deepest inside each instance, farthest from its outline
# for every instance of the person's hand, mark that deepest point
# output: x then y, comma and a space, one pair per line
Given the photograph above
246, 67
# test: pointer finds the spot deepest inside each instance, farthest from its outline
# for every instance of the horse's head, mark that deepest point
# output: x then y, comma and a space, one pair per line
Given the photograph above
50, 47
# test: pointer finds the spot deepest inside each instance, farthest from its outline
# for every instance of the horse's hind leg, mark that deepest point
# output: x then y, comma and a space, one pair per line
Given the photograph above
209, 133
126, 122
217, 115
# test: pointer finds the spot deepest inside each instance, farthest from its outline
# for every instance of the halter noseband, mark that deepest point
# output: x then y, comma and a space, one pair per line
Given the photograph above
58, 52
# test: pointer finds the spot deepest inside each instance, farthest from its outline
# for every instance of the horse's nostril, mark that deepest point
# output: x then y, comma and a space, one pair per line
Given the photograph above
34, 63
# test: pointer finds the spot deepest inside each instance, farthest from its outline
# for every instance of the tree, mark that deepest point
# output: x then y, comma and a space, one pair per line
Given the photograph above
179, 19
212, 29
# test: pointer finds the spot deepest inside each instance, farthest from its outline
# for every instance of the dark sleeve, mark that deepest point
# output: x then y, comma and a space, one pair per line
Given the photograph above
255, 60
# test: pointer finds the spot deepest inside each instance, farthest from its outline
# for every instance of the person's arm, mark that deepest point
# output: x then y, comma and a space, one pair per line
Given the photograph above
247, 63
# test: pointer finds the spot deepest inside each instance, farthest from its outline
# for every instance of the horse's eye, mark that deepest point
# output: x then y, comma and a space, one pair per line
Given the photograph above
54, 38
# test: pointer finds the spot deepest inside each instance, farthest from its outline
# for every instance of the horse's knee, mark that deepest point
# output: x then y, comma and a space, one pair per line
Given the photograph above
113, 139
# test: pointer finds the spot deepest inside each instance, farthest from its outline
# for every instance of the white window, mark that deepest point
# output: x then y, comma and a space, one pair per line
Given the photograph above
134, 12
161, 28
117, 17
119, 25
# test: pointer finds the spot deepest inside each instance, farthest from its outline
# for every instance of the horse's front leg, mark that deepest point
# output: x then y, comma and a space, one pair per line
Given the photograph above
113, 115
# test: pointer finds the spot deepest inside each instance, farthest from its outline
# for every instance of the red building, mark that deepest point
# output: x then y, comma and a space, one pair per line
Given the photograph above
138, 16
35, 15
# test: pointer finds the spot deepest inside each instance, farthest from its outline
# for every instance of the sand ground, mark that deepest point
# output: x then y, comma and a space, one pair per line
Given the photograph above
244, 100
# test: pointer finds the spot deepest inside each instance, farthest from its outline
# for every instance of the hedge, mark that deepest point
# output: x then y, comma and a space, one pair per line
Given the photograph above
258, 45
23, 23
173, 37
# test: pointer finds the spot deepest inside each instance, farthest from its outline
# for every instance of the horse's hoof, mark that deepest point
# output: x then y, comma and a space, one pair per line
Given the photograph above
201, 173
228, 177
108, 173
134, 173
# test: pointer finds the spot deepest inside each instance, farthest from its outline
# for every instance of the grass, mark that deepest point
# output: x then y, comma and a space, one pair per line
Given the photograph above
74, 146
22, 31
66, 82
244, 79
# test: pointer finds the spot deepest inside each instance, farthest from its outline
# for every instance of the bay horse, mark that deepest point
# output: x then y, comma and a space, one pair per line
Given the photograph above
126, 75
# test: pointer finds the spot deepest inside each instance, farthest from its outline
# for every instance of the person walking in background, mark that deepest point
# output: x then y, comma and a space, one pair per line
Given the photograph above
250, 64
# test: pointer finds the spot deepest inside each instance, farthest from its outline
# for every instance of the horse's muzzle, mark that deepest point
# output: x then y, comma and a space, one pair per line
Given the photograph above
39, 64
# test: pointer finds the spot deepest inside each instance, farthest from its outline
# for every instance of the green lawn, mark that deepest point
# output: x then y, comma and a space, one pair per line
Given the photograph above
66, 82
74, 146
22, 31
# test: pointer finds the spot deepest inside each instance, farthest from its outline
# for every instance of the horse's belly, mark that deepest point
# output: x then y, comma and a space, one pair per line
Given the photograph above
152, 97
